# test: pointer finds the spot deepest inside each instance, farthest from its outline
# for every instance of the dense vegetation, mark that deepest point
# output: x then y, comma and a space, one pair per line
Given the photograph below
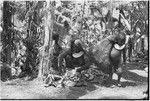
27, 28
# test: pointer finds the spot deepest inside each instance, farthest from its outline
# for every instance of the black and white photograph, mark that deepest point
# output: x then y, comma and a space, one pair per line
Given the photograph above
74, 49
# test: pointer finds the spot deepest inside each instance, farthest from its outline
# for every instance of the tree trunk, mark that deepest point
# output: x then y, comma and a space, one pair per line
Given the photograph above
6, 34
50, 27
32, 40
45, 49
42, 68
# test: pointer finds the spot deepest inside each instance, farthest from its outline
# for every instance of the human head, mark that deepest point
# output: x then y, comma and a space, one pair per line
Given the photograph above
76, 47
120, 39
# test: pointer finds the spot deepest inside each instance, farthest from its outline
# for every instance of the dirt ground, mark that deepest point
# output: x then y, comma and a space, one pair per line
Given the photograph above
134, 82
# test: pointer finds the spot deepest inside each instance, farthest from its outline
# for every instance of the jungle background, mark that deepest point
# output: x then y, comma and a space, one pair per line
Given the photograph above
26, 29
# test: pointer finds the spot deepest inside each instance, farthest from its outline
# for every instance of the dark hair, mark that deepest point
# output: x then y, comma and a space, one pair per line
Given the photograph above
73, 46
120, 38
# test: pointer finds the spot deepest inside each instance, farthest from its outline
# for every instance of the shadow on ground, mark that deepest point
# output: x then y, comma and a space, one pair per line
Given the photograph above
134, 77
130, 79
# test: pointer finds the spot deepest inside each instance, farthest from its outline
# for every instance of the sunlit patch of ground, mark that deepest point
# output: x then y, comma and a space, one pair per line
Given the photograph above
140, 72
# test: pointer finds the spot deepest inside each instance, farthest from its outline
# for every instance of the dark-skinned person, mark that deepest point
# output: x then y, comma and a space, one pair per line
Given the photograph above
54, 72
107, 54
76, 59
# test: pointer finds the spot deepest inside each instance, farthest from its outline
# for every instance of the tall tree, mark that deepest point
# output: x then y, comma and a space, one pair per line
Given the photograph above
6, 34
32, 40
49, 22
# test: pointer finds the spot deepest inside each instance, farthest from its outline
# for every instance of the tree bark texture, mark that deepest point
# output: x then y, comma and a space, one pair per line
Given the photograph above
6, 34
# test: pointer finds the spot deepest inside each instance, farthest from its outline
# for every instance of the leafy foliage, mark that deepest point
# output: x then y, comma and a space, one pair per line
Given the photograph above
91, 21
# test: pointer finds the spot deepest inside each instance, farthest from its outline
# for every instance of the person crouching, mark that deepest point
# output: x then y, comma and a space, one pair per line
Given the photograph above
76, 58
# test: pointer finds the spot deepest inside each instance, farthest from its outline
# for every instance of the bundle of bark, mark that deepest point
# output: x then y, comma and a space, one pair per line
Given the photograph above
100, 53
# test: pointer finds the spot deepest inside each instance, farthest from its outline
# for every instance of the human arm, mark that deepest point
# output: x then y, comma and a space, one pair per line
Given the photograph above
61, 57
87, 63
